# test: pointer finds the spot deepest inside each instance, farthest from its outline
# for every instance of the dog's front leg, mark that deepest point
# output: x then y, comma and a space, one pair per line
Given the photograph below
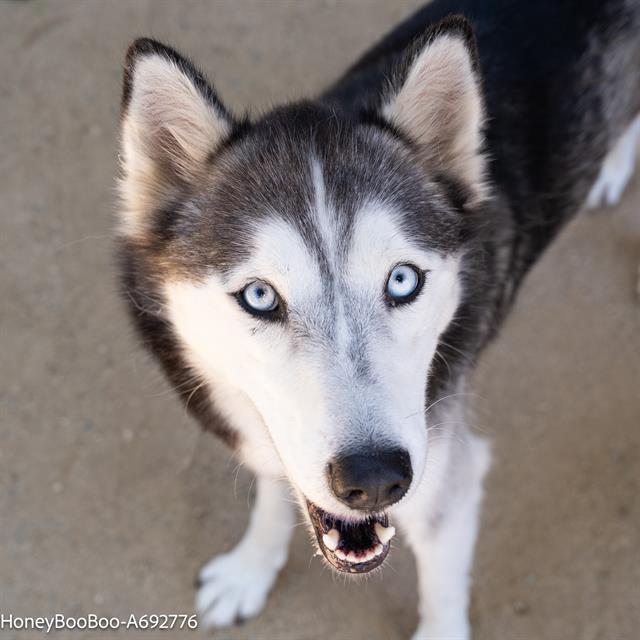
235, 585
442, 532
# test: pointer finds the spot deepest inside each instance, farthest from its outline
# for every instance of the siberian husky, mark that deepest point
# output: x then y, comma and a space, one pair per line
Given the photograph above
318, 282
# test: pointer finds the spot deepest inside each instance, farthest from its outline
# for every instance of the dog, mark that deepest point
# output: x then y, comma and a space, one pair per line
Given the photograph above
318, 282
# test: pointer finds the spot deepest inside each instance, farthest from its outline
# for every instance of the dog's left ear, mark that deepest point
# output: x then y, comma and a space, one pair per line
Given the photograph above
436, 100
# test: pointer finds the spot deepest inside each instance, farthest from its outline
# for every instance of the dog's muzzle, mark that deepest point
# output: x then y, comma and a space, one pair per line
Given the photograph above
367, 482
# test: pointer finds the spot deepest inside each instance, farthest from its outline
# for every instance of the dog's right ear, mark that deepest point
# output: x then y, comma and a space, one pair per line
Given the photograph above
172, 121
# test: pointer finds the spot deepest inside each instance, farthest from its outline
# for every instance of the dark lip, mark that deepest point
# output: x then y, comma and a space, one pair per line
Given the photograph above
323, 521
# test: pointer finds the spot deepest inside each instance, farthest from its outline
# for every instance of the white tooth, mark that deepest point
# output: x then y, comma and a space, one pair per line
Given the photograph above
377, 550
340, 554
331, 539
384, 533
353, 558
369, 556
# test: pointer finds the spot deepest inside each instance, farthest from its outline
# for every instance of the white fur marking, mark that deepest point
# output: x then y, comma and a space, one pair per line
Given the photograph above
265, 383
616, 170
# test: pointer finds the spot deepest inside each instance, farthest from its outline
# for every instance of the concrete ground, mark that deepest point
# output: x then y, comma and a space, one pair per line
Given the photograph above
111, 499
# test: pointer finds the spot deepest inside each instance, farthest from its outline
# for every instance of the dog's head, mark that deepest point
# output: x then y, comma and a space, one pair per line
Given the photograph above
307, 264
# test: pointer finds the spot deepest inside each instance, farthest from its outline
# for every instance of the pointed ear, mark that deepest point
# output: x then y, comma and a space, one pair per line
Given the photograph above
171, 121
436, 100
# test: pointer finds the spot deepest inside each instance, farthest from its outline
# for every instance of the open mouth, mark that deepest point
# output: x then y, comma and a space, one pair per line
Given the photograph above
352, 547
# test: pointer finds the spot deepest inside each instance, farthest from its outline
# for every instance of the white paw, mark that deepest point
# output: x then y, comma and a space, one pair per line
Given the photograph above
457, 630
234, 586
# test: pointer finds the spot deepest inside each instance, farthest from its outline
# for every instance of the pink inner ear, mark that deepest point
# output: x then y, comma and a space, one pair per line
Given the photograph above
170, 114
169, 129
440, 107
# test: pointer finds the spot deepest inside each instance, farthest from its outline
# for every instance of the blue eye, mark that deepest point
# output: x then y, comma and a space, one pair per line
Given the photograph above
259, 297
404, 283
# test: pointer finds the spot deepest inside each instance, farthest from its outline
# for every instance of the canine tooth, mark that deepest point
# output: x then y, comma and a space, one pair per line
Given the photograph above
331, 539
384, 533
340, 554
377, 550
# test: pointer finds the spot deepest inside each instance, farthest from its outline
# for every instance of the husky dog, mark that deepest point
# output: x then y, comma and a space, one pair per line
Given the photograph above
318, 282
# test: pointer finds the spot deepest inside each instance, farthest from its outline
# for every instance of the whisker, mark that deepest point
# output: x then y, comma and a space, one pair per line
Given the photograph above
447, 437
193, 391
235, 479
253, 480
451, 395
446, 362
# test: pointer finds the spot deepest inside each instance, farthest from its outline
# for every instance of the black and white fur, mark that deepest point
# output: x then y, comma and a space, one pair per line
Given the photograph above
457, 144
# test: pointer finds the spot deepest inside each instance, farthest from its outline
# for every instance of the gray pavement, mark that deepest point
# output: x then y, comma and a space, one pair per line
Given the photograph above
111, 498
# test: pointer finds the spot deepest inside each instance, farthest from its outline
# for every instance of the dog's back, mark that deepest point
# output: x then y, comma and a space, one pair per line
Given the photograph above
561, 82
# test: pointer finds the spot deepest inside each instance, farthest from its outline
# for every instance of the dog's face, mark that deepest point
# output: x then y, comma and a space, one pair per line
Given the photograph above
307, 264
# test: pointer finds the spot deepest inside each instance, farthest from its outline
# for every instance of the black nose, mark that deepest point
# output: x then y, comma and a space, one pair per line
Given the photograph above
371, 481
